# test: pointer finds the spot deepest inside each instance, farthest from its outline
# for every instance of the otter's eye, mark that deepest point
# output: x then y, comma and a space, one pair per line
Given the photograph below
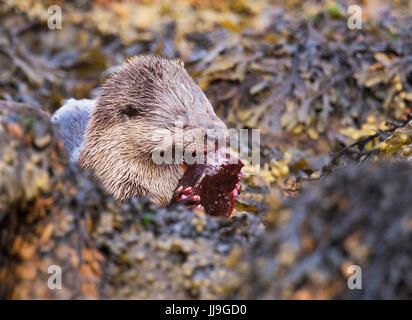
194, 154
130, 111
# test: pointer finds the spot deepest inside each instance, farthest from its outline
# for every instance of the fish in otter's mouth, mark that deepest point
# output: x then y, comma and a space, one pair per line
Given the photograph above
215, 183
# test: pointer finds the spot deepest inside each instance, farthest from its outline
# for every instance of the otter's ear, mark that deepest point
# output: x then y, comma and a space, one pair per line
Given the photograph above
130, 110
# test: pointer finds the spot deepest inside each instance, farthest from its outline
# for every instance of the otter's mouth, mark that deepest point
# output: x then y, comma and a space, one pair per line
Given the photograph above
214, 184
212, 153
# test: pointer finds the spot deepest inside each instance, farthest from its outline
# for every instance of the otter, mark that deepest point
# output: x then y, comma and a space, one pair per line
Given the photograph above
135, 115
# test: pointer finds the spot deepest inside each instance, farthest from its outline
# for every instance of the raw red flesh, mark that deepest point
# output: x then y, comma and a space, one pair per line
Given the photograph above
215, 182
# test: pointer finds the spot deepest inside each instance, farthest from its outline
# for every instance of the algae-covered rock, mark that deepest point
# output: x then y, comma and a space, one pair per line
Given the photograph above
360, 215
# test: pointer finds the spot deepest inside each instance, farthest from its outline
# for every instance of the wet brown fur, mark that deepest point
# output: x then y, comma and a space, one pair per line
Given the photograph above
135, 115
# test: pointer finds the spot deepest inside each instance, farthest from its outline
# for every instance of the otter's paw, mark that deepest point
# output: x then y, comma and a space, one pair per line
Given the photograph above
186, 197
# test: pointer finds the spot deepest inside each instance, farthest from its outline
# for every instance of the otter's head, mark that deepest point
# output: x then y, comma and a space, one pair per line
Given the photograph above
150, 106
